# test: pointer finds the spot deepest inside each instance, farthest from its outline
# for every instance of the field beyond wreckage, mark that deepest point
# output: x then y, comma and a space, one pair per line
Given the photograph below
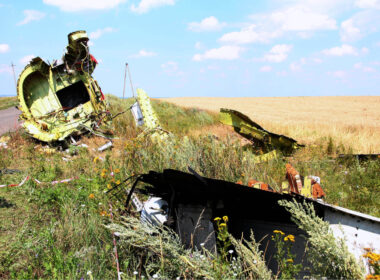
58, 231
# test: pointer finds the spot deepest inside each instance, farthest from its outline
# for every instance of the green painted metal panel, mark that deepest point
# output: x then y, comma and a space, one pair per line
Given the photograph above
253, 131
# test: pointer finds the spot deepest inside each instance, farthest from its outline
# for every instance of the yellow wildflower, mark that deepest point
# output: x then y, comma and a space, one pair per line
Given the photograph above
290, 260
104, 170
92, 196
117, 170
223, 225
217, 219
96, 159
289, 237
103, 213
278, 231
118, 182
109, 186
225, 218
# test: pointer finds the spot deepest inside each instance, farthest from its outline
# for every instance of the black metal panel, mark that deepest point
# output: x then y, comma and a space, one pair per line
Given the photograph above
73, 95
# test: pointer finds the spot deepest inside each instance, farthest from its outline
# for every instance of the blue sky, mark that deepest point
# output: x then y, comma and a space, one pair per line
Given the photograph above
205, 47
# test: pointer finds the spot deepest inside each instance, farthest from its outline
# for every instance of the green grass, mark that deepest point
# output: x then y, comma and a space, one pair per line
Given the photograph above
7, 102
56, 231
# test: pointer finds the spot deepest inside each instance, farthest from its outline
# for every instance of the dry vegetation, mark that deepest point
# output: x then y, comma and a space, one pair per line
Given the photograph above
57, 231
350, 120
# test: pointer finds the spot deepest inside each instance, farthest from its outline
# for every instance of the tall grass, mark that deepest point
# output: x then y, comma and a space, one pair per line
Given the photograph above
7, 102
352, 121
57, 231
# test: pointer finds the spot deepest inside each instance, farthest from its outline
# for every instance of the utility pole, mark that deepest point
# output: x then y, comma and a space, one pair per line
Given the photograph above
14, 75
125, 78
130, 79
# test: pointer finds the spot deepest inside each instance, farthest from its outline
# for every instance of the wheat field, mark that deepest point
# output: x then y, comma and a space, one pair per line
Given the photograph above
353, 121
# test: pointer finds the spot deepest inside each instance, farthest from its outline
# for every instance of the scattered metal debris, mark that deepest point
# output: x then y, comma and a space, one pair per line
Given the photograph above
61, 99
188, 203
359, 157
310, 188
9, 171
154, 211
105, 146
261, 138
145, 116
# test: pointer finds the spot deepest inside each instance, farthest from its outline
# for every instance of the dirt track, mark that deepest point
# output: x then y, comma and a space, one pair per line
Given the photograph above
9, 120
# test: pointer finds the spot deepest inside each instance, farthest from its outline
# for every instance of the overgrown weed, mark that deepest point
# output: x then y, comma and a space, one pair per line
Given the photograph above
60, 233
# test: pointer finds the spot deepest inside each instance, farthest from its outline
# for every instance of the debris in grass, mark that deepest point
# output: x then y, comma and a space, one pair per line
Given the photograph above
262, 139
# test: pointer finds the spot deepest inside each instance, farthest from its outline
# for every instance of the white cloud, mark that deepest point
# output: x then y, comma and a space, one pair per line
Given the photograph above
5, 69
83, 5
338, 74
340, 51
222, 53
249, 34
321, 6
198, 45
31, 15
348, 31
207, 24
282, 73
299, 18
144, 53
364, 50
171, 68
98, 33
278, 53
266, 68
145, 5
297, 66
360, 25
368, 4
4, 48
170, 65
26, 59
363, 68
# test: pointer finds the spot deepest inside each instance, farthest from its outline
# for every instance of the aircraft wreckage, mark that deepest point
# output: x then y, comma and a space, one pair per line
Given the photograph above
61, 99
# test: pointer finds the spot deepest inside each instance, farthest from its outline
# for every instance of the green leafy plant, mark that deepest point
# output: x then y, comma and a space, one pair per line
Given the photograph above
224, 242
329, 257
287, 269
